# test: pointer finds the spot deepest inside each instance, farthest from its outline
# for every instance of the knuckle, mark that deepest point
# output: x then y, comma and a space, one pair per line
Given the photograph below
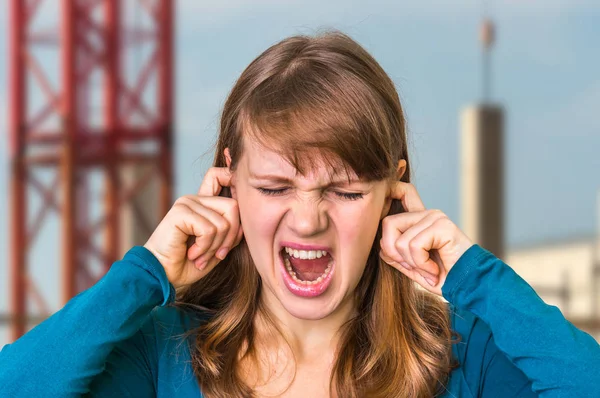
436, 213
210, 229
180, 201
184, 200
387, 222
413, 245
444, 223
385, 257
385, 245
233, 205
224, 225
401, 245
181, 208
211, 170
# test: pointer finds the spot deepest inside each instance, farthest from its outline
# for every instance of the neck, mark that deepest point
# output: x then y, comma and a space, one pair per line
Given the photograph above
309, 339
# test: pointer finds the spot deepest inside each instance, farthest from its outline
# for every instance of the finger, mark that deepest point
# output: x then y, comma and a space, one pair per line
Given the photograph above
214, 257
388, 259
220, 223
223, 229
387, 243
190, 223
405, 221
414, 274
215, 179
239, 236
400, 265
408, 195
423, 248
206, 266
233, 239
402, 244
393, 227
193, 249
227, 208
200, 243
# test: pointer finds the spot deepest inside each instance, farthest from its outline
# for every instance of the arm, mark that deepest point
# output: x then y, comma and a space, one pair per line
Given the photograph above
131, 369
487, 371
559, 359
62, 355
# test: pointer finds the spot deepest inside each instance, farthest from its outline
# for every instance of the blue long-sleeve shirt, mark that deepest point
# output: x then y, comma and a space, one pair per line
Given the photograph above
121, 338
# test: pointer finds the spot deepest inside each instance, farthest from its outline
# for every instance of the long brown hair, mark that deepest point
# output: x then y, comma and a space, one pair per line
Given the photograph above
323, 94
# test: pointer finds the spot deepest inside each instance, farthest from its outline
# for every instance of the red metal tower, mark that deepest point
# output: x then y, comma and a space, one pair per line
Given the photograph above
133, 129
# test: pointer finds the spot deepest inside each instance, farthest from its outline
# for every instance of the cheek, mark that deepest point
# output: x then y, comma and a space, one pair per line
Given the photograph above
260, 219
357, 227
356, 223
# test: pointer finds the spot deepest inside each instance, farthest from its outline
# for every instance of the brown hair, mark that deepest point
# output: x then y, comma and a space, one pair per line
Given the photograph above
327, 94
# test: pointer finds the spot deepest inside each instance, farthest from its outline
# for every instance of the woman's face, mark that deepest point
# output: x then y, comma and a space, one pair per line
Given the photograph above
290, 219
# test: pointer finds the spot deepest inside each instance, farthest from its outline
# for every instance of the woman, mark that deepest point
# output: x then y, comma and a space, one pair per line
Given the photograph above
295, 269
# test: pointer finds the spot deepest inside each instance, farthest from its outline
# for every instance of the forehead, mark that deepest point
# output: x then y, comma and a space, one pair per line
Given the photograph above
261, 160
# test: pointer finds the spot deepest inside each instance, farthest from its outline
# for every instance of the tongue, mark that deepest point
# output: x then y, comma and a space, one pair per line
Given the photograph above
309, 270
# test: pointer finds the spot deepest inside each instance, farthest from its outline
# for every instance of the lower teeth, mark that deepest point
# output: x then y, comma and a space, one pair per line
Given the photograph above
292, 273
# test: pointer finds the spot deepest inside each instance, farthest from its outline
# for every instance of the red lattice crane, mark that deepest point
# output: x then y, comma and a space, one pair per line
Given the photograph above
134, 129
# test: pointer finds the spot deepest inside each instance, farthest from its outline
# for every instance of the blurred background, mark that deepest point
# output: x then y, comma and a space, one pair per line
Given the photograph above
109, 110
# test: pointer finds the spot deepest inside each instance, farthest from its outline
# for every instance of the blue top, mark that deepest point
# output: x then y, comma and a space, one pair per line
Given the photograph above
119, 338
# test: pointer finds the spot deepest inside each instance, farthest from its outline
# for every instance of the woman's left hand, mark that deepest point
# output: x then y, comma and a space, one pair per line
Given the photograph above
422, 244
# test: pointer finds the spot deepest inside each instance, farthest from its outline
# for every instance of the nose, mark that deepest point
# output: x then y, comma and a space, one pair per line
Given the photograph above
307, 217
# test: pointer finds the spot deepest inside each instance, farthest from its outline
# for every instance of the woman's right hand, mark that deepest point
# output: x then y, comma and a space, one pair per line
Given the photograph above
198, 231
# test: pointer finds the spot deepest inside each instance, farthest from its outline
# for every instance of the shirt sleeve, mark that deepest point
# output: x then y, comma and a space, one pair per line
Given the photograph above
131, 369
487, 371
558, 359
65, 353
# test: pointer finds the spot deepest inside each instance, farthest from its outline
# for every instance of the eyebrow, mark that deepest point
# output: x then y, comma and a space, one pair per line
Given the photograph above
280, 179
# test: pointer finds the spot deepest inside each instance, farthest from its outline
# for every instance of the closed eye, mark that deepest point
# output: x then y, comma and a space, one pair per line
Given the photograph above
349, 196
281, 191
272, 192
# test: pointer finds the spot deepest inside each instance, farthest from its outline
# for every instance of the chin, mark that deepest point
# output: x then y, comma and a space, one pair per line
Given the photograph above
310, 310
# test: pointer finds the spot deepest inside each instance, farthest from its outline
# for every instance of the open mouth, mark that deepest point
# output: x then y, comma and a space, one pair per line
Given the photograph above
307, 273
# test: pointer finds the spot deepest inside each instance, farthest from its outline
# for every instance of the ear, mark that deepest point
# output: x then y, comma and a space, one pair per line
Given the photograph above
232, 185
227, 157
401, 169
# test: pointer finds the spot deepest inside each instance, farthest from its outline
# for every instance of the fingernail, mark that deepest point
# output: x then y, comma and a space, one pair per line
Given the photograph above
430, 281
222, 253
201, 264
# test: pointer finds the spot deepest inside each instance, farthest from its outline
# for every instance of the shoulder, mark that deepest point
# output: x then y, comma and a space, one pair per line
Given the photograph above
173, 320
166, 328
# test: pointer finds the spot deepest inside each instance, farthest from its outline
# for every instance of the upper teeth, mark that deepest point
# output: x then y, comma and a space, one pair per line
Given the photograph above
305, 254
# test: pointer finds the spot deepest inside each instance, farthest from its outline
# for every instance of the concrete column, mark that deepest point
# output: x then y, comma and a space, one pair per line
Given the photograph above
141, 214
482, 176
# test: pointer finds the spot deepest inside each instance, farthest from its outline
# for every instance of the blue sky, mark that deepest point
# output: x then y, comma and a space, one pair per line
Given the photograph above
546, 66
